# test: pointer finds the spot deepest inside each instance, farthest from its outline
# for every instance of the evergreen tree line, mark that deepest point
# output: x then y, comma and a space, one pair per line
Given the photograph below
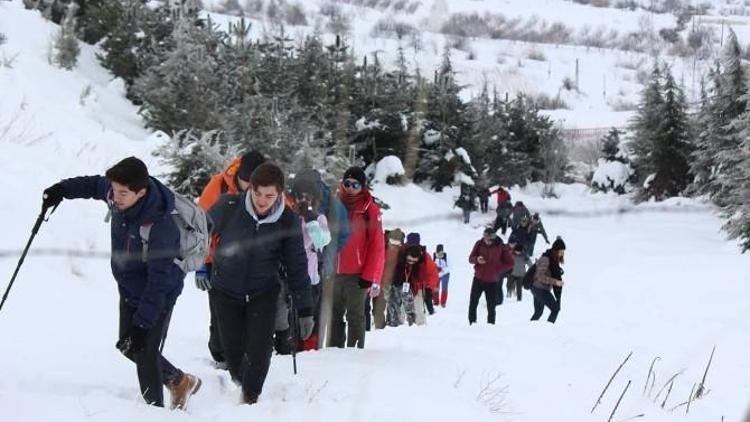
706, 153
307, 103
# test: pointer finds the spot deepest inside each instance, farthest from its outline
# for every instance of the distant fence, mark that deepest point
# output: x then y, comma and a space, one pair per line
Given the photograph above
587, 134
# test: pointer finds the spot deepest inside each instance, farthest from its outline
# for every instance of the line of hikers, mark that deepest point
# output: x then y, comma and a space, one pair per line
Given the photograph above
494, 261
318, 251
290, 269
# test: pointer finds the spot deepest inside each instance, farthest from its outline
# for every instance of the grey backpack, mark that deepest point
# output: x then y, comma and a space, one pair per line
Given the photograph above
192, 224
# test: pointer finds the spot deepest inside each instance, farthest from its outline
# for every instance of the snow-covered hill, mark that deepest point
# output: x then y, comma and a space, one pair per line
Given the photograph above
657, 281
569, 41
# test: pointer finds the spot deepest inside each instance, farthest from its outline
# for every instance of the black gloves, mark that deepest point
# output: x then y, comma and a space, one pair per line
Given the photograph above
364, 284
134, 340
53, 195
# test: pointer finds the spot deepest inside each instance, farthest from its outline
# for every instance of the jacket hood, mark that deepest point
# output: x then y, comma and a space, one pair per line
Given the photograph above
158, 201
276, 210
230, 174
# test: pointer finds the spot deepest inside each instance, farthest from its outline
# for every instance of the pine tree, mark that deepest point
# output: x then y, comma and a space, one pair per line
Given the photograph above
195, 156
444, 115
99, 18
671, 147
611, 147
119, 48
645, 126
737, 210
182, 92
702, 163
66, 43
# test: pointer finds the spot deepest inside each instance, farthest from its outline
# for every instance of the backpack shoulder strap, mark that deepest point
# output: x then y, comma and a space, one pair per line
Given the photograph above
230, 205
145, 232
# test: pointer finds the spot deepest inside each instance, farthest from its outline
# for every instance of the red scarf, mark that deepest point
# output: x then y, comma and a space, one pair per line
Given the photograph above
356, 202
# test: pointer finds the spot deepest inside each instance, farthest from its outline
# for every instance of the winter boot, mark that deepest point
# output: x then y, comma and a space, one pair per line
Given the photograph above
249, 398
182, 389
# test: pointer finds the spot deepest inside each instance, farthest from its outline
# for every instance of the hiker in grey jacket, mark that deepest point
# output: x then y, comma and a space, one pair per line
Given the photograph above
521, 262
535, 228
517, 214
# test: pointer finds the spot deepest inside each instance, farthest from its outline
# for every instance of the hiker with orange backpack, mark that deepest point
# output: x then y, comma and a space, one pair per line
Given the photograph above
234, 179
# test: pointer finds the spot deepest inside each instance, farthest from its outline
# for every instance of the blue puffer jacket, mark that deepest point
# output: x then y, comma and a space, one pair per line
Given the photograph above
152, 286
338, 222
252, 250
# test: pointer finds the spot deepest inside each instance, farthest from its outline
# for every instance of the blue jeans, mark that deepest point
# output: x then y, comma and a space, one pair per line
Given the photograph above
467, 214
443, 296
542, 298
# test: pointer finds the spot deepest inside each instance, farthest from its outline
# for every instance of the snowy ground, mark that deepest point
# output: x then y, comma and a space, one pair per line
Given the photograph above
655, 282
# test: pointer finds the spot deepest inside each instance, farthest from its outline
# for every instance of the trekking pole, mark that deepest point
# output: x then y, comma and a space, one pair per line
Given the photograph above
293, 332
34, 230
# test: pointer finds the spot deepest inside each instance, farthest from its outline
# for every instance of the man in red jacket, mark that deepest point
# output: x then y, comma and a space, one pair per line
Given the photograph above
360, 262
490, 259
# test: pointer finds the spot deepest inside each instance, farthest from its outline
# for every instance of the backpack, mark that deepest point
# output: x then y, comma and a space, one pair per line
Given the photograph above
528, 278
193, 227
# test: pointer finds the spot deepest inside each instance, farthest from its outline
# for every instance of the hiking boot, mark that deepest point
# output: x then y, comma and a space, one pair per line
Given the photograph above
249, 398
182, 389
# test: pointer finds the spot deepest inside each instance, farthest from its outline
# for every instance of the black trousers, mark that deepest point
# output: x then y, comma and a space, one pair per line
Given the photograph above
557, 291
490, 294
501, 223
214, 339
542, 298
484, 204
428, 301
246, 328
153, 369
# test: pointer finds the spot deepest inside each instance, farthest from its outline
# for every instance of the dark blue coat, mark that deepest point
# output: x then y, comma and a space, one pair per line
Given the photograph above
252, 250
152, 286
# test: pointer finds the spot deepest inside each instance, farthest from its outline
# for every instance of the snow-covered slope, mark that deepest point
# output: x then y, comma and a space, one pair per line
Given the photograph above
653, 281
609, 80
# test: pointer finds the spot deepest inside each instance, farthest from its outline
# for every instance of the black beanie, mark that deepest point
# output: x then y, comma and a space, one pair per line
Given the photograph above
558, 244
248, 163
357, 174
307, 181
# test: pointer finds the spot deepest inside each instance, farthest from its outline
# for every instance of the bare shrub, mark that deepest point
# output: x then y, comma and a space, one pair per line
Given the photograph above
459, 43
621, 104
543, 101
340, 24
388, 27
295, 15
569, 84
254, 7
413, 7
330, 9
535, 54
231, 7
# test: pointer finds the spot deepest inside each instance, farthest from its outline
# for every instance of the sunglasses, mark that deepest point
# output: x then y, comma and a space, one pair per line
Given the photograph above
394, 242
352, 184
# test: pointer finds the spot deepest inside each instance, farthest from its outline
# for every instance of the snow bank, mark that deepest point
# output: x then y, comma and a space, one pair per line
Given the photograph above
389, 166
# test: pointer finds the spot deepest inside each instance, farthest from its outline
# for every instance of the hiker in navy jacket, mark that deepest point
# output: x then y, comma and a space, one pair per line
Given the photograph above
148, 288
258, 235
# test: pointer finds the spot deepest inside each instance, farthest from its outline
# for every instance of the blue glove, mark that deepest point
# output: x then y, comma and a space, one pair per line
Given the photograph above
320, 237
203, 278
306, 325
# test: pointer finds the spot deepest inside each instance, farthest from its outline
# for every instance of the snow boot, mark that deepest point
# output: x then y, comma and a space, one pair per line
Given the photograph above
182, 389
